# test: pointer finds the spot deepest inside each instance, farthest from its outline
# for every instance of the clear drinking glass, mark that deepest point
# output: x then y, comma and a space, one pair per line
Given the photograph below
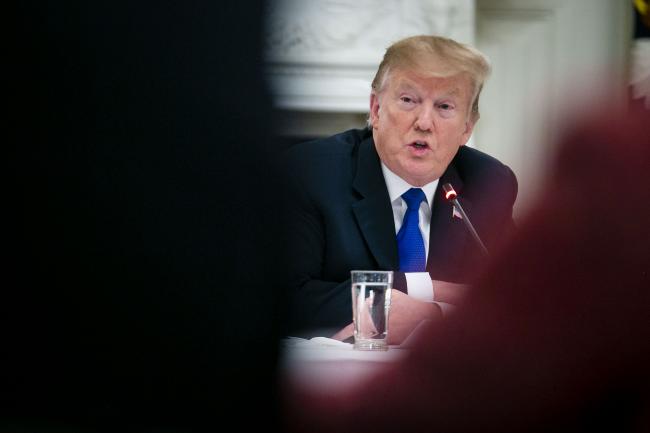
370, 306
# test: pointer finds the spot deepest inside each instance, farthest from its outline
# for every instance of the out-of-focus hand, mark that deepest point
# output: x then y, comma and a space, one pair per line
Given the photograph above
449, 293
406, 313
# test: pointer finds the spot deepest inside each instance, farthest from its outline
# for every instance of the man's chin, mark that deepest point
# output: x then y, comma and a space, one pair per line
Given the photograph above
420, 174
420, 180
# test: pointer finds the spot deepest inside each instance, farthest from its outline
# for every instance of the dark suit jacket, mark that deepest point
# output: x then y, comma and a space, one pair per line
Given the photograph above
341, 219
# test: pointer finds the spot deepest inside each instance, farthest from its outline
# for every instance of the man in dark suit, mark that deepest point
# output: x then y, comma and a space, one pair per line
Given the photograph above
351, 201
555, 337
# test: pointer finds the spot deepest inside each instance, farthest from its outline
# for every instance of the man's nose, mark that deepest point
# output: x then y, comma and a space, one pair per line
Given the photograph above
425, 121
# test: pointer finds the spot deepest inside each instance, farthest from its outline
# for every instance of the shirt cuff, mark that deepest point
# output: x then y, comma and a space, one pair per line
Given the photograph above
419, 286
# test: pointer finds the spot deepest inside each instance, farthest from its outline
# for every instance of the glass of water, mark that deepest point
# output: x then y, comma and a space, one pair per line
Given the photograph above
370, 306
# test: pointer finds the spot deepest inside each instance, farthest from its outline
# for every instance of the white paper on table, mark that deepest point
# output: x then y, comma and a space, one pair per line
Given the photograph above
327, 365
313, 342
324, 349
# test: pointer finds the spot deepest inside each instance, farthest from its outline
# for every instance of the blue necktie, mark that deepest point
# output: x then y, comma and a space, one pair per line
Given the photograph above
410, 246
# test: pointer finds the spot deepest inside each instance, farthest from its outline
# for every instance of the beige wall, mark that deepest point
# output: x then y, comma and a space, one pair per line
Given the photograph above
549, 58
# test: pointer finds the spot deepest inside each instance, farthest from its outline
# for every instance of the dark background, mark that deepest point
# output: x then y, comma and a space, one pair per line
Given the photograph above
142, 290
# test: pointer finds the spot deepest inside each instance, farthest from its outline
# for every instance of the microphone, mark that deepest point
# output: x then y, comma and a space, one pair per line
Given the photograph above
450, 195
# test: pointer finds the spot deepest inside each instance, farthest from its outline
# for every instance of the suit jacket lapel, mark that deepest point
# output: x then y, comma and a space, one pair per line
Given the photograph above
447, 235
373, 211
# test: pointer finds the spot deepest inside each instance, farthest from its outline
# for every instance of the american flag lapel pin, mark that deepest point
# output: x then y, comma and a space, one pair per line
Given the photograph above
455, 213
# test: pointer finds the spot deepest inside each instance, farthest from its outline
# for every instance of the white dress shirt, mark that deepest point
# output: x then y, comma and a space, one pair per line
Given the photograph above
418, 284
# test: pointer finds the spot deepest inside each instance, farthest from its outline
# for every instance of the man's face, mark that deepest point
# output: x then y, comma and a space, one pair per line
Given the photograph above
419, 123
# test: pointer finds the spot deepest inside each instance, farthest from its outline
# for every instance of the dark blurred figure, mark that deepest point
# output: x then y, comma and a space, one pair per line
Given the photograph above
556, 337
141, 293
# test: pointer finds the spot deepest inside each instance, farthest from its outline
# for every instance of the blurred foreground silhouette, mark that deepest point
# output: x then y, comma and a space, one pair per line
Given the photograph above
141, 293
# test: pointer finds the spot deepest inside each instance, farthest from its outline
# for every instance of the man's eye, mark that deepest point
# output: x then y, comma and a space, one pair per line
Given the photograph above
406, 99
446, 106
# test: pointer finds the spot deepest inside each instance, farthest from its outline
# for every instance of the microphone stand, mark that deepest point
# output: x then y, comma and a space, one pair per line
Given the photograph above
450, 194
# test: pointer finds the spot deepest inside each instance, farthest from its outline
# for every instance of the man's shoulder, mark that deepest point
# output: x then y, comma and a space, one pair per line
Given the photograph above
342, 143
472, 162
334, 158
485, 176
470, 155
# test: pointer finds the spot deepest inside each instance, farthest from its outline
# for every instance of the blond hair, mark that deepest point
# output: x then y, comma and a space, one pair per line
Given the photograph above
435, 56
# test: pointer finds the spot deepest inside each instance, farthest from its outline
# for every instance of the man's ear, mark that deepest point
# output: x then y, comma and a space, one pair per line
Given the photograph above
469, 127
374, 109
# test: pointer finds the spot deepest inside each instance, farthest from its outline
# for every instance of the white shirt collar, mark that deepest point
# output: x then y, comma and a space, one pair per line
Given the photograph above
397, 186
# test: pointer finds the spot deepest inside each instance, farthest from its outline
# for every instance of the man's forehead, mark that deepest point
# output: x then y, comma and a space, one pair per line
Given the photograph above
453, 85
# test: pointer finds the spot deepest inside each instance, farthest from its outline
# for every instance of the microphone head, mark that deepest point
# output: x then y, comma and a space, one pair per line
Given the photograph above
450, 193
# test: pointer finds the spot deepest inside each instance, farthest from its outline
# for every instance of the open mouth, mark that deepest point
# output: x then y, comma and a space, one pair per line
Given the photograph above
419, 145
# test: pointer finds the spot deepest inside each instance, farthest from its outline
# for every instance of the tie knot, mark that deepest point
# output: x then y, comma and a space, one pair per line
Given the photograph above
413, 197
